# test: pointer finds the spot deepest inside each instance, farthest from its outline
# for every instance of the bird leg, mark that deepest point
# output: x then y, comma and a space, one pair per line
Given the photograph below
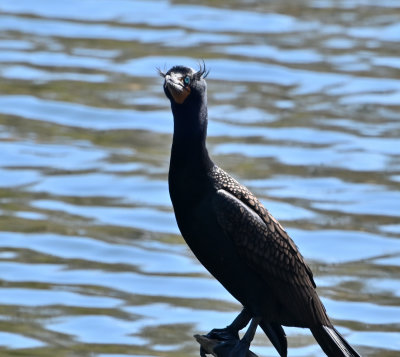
225, 342
238, 348
231, 332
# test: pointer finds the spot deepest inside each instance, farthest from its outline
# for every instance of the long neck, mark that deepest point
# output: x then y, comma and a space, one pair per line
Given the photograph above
189, 140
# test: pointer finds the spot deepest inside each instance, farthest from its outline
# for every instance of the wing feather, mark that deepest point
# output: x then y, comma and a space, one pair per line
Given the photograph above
258, 235
266, 247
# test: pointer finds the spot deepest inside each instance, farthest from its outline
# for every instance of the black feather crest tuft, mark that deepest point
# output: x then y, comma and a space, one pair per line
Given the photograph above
202, 72
160, 72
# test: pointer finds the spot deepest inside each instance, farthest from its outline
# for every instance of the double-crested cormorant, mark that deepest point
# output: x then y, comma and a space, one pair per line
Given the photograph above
236, 238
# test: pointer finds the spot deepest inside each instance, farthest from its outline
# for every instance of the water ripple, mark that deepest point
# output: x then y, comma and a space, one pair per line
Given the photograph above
303, 107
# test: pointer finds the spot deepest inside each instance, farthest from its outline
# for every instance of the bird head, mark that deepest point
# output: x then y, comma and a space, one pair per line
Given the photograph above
182, 83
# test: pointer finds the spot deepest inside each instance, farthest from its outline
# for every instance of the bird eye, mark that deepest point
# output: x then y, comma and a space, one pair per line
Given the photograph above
186, 80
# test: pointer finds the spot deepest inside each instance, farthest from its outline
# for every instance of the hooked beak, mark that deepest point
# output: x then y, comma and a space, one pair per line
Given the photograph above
173, 83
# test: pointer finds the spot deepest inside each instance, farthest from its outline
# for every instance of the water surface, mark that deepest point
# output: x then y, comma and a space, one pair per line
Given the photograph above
304, 109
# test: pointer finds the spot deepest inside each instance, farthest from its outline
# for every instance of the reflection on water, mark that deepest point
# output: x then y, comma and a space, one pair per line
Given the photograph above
304, 107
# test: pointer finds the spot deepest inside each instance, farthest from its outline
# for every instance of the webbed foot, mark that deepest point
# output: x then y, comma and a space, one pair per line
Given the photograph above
223, 334
229, 333
217, 335
231, 346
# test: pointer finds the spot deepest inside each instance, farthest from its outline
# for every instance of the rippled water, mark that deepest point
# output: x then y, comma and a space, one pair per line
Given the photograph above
304, 109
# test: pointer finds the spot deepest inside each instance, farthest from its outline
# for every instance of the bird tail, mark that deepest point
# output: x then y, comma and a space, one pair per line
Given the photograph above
332, 342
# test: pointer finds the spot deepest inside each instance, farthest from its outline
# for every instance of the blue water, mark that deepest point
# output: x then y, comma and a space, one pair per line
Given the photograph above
304, 109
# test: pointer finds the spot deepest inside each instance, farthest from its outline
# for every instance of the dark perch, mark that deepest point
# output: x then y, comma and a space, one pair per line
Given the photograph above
236, 238
208, 345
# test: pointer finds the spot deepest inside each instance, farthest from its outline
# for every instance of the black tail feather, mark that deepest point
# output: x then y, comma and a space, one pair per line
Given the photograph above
333, 343
276, 335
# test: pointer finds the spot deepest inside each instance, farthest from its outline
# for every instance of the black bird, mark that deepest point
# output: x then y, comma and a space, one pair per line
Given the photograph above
235, 237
